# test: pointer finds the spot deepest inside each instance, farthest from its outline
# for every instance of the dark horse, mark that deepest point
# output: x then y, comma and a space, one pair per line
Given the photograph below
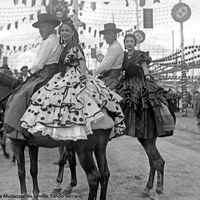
96, 143
7, 85
156, 163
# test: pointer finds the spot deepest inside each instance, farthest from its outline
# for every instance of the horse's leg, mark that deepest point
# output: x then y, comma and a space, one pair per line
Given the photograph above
156, 164
147, 147
18, 147
3, 144
72, 166
84, 150
100, 154
33, 153
61, 164
13, 159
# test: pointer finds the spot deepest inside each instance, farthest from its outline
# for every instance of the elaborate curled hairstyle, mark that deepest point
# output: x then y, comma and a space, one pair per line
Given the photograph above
69, 22
130, 35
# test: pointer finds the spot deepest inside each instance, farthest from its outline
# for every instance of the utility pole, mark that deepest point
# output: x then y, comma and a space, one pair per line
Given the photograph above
137, 18
75, 14
180, 13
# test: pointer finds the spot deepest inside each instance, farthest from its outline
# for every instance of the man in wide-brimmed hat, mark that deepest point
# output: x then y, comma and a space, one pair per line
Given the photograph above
43, 69
5, 70
110, 68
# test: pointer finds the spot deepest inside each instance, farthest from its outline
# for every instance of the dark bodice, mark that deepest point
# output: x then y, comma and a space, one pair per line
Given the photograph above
132, 66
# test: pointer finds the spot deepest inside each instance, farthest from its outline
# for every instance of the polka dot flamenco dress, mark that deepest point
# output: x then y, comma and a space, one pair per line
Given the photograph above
67, 109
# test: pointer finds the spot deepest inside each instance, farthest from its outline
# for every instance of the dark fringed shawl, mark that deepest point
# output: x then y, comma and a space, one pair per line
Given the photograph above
132, 66
9, 81
71, 44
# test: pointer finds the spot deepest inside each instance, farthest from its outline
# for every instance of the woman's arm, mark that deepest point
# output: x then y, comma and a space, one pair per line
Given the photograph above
145, 69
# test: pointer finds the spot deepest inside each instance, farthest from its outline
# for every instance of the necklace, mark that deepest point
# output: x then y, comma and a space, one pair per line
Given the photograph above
130, 55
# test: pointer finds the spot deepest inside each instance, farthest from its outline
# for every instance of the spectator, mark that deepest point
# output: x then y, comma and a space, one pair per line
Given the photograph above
24, 74
5, 70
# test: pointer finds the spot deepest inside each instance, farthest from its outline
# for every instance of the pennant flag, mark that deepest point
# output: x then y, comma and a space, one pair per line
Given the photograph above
24, 2
16, 2
95, 33
106, 2
43, 2
16, 24
71, 2
84, 25
93, 6
33, 3
81, 5
156, 1
31, 17
93, 53
8, 26
142, 3
127, 4
148, 18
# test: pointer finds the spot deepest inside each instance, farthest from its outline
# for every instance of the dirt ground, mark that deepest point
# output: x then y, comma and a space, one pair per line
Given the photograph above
129, 169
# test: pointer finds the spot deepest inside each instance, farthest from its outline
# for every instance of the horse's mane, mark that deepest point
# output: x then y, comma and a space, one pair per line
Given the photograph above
9, 81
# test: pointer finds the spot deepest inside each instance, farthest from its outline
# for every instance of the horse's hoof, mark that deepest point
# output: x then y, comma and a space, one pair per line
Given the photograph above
159, 190
13, 162
146, 192
56, 163
154, 197
68, 190
6, 155
35, 197
56, 191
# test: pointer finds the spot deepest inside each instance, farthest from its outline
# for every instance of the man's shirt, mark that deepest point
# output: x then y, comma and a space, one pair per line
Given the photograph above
113, 58
48, 53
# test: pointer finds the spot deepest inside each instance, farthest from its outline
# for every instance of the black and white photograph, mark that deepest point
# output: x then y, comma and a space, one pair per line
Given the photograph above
99, 100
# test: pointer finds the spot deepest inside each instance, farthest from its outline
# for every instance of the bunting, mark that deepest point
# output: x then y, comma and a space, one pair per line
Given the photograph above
93, 6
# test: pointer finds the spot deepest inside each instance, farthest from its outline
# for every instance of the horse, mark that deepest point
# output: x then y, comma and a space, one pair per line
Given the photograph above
96, 143
156, 163
9, 84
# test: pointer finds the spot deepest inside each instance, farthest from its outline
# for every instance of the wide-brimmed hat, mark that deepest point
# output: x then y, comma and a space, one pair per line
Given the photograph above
46, 18
24, 67
110, 27
5, 66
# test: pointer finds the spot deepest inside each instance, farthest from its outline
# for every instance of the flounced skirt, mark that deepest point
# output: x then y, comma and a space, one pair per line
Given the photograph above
146, 108
66, 109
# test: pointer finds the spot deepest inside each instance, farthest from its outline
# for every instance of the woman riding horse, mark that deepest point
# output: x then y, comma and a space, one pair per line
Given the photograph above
76, 108
146, 108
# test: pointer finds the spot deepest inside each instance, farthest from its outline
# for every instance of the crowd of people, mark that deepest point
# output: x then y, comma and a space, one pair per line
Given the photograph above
22, 75
61, 96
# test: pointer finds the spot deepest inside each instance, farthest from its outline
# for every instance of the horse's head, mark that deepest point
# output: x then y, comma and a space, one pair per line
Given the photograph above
7, 85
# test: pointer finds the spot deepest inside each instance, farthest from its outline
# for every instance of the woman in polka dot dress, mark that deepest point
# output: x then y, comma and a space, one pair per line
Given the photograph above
73, 102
